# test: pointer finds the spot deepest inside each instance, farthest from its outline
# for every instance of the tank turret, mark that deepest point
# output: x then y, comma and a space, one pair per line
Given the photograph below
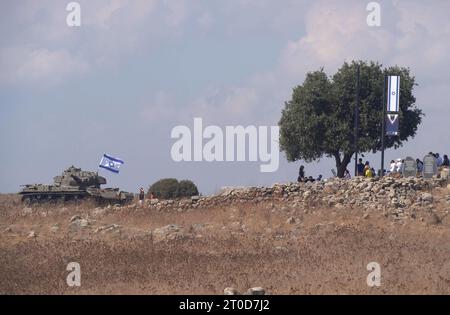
75, 177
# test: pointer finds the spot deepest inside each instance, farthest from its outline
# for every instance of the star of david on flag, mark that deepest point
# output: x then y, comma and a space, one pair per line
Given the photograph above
110, 163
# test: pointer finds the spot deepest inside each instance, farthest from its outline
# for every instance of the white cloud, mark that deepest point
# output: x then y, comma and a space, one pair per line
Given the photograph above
26, 65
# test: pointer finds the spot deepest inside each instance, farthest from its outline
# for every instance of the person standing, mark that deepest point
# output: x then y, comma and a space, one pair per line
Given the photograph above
446, 161
392, 166
301, 174
360, 168
141, 196
399, 165
368, 170
419, 166
438, 160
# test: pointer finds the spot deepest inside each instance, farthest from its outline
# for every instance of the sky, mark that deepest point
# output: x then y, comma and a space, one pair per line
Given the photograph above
134, 70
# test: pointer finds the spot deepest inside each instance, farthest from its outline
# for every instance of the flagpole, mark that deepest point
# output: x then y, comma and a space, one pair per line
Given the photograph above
356, 121
383, 126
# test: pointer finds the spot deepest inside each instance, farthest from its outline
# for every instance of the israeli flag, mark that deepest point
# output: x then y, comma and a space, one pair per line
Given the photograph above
393, 97
110, 163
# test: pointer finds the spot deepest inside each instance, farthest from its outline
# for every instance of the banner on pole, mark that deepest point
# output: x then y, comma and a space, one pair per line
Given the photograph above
392, 125
393, 95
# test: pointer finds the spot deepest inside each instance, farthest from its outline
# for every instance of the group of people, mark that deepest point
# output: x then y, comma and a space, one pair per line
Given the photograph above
397, 165
302, 177
439, 160
364, 169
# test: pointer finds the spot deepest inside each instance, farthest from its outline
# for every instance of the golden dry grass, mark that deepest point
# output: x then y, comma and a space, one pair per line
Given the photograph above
243, 245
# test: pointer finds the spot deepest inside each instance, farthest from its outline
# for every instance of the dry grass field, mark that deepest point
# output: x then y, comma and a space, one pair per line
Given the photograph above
320, 251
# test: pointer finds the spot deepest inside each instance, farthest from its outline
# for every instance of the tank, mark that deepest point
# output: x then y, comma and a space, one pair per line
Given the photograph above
72, 185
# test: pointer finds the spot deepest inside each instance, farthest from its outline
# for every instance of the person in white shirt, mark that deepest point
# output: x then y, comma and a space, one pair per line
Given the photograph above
398, 165
392, 166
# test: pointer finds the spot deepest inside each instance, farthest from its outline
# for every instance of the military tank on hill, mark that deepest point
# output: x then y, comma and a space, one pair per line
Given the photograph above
74, 184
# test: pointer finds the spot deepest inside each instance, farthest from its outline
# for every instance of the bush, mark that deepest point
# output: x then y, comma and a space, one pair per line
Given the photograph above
166, 188
169, 188
187, 188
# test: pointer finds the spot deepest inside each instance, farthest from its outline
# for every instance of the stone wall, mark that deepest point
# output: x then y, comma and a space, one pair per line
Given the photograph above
403, 195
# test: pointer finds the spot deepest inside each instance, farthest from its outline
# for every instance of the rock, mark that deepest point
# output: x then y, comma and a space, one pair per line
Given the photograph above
427, 197
54, 229
32, 234
27, 211
98, 212
291, 220
281, 249
78, 222
256, 291
74, 218
7, 230
107, 228
365, 216
445, 172
230, 291
170, 232
167, 229
195, 199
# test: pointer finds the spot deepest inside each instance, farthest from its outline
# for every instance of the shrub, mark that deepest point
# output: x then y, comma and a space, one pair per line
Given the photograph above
169, 188
187, 188
166, 188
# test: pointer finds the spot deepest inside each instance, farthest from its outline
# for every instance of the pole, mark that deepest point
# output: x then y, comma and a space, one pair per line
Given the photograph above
383, 126
356, 121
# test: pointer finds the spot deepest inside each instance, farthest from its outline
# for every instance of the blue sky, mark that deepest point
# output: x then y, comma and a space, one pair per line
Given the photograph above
134, 70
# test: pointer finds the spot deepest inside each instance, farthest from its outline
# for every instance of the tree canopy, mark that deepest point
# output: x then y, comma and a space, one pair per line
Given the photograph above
319, 119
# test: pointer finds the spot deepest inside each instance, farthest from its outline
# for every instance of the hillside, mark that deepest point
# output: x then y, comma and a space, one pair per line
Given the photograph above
293, 238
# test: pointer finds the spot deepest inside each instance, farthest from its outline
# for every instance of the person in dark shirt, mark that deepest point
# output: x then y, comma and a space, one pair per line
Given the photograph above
301, 174
446, 162
360, 168
419, 166
141, 196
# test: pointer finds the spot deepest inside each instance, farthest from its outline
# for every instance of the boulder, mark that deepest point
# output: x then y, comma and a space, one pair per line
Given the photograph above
230, 291
291, 220
27, 211
256, 291
427, 197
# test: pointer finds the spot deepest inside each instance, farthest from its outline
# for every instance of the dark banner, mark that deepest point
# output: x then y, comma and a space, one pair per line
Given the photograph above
392, 123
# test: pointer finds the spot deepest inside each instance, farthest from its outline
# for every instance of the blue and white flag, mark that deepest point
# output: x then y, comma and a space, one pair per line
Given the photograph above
110, 163
393, 96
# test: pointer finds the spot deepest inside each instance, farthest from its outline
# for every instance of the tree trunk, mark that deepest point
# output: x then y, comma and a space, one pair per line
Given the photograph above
341, 166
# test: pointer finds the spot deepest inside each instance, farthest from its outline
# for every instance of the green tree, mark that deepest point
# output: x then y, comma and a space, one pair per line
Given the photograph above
166, 188
169, 188
187, 188
319, 119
